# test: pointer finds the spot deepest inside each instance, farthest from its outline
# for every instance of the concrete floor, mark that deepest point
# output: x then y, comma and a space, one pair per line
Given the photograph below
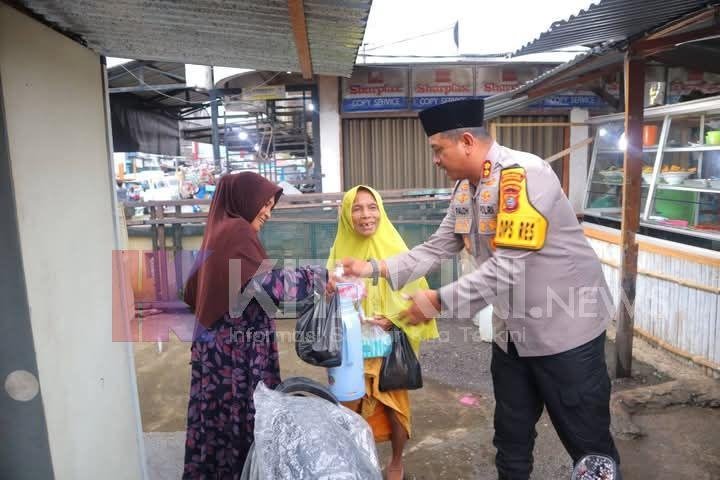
452, 415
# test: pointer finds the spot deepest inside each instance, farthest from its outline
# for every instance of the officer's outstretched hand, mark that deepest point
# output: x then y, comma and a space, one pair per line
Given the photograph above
424, 307
356, 268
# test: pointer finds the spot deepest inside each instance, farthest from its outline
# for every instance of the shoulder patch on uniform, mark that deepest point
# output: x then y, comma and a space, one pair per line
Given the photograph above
519, 224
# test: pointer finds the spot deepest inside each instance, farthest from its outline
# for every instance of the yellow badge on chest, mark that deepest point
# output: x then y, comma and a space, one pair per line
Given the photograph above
519, 224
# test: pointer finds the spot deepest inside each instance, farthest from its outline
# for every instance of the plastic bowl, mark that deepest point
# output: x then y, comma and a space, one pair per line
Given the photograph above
612, 175
713, 137
696, 183
675, 178
647, 178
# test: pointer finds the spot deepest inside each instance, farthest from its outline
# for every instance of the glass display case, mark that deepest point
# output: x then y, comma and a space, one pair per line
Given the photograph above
681, 168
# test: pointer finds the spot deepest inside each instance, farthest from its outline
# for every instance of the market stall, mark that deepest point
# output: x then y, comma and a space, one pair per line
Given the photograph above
680, 196
677, 297
651, 192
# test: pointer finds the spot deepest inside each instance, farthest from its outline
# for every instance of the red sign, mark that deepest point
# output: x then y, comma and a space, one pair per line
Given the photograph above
443, 76
509, 75
375, 76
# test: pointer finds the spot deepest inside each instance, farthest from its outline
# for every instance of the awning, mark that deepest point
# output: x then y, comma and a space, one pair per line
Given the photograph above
237, 33
686, 37
602, 60
145, 115
612, 21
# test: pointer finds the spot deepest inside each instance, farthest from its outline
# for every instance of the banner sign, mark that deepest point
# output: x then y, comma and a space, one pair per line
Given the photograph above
265, 92
493, 80
375, 89
434, 86
372, 89
567, 100
692, 84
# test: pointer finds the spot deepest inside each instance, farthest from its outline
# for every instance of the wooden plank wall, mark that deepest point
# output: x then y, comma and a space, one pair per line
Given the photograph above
677, 299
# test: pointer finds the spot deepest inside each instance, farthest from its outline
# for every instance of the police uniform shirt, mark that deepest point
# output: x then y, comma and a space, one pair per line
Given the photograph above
548, 296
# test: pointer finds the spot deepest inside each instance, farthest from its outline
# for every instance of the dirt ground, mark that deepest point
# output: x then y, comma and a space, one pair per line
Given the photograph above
452, 414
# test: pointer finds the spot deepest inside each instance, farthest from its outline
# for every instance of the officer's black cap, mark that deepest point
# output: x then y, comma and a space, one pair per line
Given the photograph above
449, 116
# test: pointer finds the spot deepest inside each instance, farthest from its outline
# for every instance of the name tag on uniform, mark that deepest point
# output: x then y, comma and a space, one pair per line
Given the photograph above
487, 209
462, 207
462, 211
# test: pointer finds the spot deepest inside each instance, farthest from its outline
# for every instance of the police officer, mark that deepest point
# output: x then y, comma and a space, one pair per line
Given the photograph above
535, 266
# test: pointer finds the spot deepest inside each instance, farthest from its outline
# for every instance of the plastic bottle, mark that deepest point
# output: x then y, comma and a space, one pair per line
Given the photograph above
347, 382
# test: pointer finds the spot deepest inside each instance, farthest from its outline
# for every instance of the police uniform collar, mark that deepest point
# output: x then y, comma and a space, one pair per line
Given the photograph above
494, 154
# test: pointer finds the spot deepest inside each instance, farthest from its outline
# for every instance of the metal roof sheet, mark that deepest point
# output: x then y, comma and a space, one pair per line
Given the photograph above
165, 73
230, 33
518, 99
612, 21
157, 73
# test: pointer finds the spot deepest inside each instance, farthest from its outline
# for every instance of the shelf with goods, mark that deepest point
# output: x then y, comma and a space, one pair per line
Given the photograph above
653, 149
681, 169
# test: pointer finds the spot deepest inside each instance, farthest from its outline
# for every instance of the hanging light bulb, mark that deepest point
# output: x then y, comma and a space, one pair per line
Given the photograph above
311, 106
242, 135
256, 147
603, 132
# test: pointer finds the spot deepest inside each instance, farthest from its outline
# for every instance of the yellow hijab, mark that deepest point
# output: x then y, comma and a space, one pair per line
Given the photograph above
384, 243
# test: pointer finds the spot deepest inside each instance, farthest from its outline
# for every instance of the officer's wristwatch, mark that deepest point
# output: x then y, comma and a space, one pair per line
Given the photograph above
375, 275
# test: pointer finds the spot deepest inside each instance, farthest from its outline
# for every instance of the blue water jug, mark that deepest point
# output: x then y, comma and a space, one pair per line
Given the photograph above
347, 382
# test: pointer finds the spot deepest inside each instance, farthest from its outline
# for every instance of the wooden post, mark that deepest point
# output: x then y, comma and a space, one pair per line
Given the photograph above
296, 13
177, 252
632, 186
162, 273
566, 164
155, 258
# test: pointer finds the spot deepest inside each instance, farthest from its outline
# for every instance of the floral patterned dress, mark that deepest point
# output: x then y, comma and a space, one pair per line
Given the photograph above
228, 360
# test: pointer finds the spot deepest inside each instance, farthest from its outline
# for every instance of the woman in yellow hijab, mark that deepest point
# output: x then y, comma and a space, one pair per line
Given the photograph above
365, 231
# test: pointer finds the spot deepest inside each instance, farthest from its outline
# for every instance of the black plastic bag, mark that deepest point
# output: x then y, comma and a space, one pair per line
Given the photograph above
401, 369
319, 333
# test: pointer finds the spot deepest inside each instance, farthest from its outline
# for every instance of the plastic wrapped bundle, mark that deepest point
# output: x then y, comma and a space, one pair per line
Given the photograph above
311, 438
376, 342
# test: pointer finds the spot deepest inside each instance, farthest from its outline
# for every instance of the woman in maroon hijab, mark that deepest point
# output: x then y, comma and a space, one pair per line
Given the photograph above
234, 350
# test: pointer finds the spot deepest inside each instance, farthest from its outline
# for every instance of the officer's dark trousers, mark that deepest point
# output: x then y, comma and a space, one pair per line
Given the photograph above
574, 387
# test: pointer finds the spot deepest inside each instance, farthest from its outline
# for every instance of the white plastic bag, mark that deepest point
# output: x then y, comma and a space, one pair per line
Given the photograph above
483, 320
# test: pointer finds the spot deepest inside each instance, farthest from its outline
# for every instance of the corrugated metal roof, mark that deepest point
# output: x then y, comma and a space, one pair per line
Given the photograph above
611, 21
499, 107
230, 33
702, 56
118, 76
517, 99
126, 75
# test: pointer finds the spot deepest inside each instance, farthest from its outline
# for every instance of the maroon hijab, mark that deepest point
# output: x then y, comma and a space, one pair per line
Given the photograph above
228, 235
